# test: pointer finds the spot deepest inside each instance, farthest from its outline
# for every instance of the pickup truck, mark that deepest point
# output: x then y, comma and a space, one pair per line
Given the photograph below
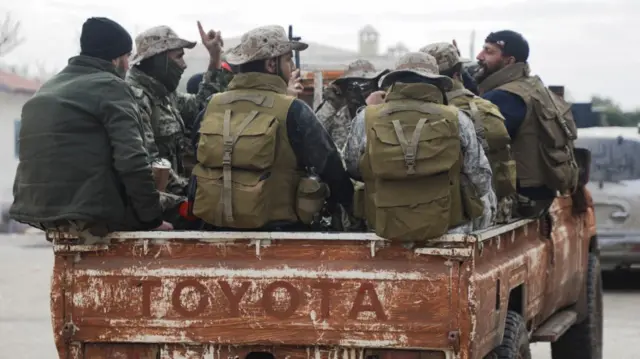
310, 295
615, 187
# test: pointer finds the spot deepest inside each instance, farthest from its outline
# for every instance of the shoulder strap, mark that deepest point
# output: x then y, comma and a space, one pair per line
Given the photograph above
458, 93
478, 122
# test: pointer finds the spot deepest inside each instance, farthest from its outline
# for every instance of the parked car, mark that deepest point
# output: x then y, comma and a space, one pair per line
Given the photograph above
615, 188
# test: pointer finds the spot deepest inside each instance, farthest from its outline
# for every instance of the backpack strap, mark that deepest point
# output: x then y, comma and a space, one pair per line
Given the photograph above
228, 141
478, 123
409, 149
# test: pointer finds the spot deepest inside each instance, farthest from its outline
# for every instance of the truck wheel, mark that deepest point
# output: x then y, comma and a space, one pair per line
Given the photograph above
584, 340
515, 342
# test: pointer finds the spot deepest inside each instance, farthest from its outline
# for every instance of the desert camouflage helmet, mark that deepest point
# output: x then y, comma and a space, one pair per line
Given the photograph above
421, 64
361, 69
263, 43
447, 55
157, 40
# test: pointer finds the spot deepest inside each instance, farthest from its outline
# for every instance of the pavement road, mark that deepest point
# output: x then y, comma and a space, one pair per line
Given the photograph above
25, 327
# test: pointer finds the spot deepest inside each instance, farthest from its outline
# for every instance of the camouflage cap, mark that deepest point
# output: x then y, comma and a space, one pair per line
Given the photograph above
447, 55
421, 64
157, 40
263, 43
361, 69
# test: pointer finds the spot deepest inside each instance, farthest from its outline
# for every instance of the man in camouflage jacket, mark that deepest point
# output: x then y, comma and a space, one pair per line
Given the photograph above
344, 96
167, 115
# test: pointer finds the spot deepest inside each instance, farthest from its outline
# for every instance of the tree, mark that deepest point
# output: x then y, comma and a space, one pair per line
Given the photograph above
9, 35
614, 115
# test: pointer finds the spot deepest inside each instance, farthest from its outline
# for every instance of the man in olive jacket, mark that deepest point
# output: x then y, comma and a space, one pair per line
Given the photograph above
83, 165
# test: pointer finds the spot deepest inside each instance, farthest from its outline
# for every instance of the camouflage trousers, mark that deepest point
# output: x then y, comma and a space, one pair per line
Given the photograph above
90, 233
170, 201
527, 208
504, 210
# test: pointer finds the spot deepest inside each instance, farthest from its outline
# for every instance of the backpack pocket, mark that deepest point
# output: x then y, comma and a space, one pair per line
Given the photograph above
246, 197
413, 210
254, 140
471, 203
310, 198
421, 149
504, 176
558, 132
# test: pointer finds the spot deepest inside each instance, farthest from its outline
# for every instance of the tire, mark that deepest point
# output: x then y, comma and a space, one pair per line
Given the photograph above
584, 340
515, 341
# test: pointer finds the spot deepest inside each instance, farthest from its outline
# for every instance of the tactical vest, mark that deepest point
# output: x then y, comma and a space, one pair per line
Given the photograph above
543, 147
489, 124
246, 172
412, 166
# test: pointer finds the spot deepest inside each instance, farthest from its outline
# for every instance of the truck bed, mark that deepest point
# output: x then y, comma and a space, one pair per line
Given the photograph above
294, 295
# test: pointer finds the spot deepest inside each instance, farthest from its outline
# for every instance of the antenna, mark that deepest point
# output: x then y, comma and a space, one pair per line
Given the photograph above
472, 44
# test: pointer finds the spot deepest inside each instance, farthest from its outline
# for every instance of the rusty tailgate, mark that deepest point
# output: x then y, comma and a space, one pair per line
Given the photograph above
304, 291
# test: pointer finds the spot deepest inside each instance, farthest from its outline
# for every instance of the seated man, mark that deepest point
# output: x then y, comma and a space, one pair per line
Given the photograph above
83, 165
488, 122
257, 146
168, 114
344, 96
540, 123
424, 172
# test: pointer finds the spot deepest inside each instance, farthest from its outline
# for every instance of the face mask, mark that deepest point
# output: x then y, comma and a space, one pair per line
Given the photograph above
174, 74
165, 71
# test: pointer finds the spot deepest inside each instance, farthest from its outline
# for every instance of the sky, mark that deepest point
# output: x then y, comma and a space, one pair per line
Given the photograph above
589, 46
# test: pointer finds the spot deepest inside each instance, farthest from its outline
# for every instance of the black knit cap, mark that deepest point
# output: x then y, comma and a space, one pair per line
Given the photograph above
194, 83
511, 43
104, 38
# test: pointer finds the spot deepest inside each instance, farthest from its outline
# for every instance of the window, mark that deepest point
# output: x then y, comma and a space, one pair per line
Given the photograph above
16, 137
612, 159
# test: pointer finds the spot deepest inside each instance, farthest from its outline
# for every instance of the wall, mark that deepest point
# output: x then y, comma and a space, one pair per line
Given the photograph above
11, 105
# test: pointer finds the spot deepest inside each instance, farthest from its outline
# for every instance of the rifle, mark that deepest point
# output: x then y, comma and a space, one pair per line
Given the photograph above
296, 38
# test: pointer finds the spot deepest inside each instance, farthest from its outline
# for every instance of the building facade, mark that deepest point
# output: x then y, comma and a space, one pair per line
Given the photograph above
316, 57
15, 90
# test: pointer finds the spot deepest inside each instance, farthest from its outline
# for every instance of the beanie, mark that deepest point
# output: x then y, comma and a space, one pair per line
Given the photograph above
511, 43
104, 38
194, 83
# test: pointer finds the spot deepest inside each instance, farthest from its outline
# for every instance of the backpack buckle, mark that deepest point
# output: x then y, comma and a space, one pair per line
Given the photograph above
410, 160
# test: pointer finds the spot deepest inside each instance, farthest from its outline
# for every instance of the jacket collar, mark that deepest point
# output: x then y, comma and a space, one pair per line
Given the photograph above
505, 75
93, 62
415, 91
258, 81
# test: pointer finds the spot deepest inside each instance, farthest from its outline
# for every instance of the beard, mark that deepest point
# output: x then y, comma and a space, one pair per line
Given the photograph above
121, 68
485, 70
